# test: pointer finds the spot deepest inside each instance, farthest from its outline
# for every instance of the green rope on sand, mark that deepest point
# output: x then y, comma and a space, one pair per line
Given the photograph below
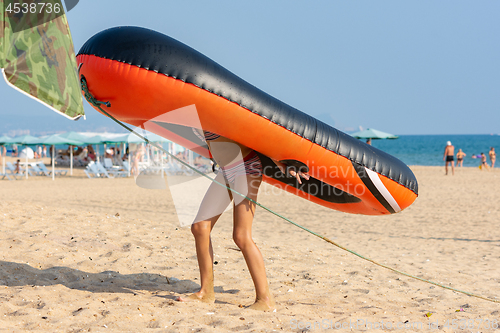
98, 104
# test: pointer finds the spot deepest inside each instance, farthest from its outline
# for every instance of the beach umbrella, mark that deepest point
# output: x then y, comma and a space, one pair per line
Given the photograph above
5, 140
371, 133
74, 136
84, 139
25, 140
56, 139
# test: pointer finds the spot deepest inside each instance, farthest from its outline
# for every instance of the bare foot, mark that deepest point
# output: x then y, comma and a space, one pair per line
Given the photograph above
199, 296
263, 305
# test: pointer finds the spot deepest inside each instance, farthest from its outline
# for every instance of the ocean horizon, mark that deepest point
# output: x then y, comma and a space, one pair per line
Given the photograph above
427, 149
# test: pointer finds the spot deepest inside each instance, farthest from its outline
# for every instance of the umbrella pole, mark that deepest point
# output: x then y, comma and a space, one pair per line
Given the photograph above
53, 161
26, 149
161, 159
129, 165
71, 160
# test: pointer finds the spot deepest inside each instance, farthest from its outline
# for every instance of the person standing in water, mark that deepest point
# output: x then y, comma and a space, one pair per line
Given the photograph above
460, 158
241, 170
484, 164
449, 157
493, 157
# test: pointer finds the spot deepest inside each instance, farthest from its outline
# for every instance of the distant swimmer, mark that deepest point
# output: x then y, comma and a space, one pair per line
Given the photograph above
449, 153
460, 158
493, 157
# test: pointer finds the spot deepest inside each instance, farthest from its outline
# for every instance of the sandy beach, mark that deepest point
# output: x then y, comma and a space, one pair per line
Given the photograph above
102, 255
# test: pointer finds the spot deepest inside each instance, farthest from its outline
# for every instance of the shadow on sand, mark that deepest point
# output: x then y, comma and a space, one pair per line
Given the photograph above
14, 274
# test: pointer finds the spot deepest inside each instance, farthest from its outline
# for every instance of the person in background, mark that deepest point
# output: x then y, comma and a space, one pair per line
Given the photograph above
125, 156
449, 157
18, 166
91, 153
460, 158
484, 164
138, 155
493, 157
369, 141
44, 151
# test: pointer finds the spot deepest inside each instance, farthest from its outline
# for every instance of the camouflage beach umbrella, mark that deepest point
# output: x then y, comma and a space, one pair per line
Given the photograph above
37, 54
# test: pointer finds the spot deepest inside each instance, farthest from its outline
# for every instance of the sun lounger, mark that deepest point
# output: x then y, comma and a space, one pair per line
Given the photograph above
91, 170
108, 164
56, 172
174, 168
3, 175
109, 173
35, 169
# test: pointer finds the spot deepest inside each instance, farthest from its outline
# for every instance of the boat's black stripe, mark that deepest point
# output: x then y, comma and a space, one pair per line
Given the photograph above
361, 171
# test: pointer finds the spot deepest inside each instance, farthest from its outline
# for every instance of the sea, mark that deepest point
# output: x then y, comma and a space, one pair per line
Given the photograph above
429, 149
425, 149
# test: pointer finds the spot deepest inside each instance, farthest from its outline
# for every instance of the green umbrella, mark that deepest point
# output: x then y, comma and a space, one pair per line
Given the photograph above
5, 140
25, 140
373, 134
56, 139
84, 139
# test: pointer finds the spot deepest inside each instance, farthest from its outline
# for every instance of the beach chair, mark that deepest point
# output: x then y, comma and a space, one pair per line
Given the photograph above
3, 175
91, 170
37, 171
56, 172
10, 170
62, 160
174, 168
109, 173
110, 165
126, 167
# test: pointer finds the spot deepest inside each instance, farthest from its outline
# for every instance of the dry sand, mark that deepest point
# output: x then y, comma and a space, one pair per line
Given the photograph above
102, 255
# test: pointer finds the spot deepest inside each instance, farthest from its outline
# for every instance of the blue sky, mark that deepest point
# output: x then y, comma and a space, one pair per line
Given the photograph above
405, 67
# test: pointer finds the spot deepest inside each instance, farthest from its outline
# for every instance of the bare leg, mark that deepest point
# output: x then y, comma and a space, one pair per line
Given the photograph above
242, 234
213, 205
453, 167
205, 255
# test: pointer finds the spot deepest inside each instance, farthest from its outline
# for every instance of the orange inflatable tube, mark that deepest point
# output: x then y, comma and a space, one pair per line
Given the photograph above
154, 81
